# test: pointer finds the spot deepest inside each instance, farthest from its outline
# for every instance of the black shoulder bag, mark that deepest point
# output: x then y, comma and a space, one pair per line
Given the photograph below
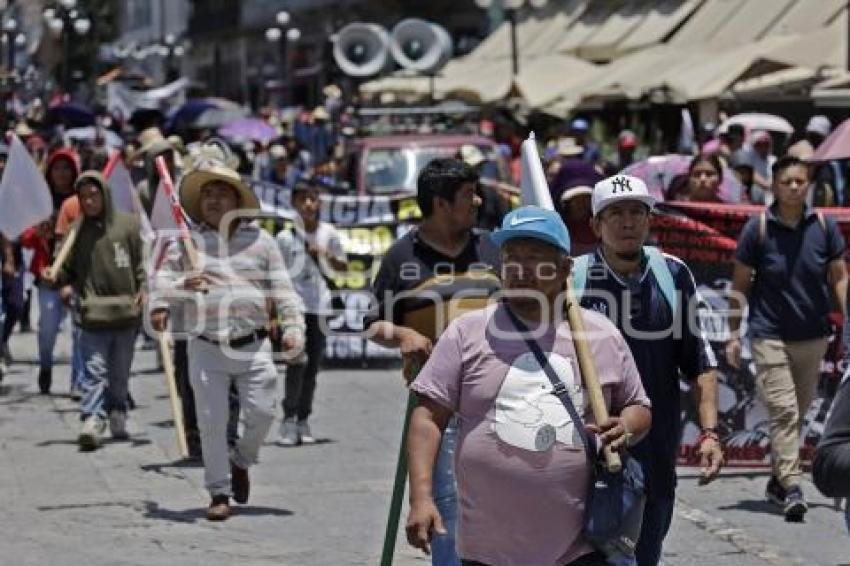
613, 512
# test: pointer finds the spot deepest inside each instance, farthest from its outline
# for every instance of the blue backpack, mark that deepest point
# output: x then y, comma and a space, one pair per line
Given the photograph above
657, 265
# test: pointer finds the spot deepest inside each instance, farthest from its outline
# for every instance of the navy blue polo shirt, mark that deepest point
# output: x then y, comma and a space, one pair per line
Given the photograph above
663, 352
790, 297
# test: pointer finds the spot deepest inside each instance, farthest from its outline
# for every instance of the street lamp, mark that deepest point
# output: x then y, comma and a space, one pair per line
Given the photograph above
290, 35
510, 8
60, 20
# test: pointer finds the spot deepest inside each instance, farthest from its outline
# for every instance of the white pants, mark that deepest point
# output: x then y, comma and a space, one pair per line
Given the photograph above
211, 372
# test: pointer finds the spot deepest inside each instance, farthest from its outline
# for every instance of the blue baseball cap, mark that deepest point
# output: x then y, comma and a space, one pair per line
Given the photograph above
579, 125
536, 223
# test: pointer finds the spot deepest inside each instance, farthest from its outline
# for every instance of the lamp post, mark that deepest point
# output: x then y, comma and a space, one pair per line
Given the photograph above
60, 20
283, 34
510, 8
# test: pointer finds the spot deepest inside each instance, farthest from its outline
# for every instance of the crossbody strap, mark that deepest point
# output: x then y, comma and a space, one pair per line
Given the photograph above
560, 390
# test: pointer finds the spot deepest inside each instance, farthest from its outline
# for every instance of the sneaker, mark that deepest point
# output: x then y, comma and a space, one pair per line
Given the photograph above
45, 380
795, 505
774, 492
118, 425
304, 433
288, 433
92, 433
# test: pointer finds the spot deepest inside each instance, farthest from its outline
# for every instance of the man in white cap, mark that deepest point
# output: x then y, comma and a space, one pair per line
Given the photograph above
817, 130
827, 178
231, 300
649, 296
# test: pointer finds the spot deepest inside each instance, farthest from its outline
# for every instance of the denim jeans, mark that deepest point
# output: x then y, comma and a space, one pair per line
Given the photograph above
444, 547
108, 356
657, 516
51, 312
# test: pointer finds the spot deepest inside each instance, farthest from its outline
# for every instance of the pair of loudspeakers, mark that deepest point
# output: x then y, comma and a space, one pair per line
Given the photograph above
364, 49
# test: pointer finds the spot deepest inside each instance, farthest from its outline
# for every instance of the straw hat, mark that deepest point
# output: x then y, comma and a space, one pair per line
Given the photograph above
567, 147
321, 114
471, 155
205, 172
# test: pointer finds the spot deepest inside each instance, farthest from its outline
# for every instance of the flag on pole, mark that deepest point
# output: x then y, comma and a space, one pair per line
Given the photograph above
535, 189
24, 194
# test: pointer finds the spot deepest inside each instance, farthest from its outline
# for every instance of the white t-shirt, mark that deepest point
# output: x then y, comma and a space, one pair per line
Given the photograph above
303, 271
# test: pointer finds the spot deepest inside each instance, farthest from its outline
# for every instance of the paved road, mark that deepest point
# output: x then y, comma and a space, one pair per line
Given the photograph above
136, 503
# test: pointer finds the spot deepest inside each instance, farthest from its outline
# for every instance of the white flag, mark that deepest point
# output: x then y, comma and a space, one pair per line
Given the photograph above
25, 198
161, 215
535, 189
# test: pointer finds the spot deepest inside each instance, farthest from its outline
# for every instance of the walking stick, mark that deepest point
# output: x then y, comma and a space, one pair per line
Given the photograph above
398, 488
588, 372
176, 407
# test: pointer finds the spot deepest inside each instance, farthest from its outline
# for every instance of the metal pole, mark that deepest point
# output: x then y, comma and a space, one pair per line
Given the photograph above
514, 54
65, 56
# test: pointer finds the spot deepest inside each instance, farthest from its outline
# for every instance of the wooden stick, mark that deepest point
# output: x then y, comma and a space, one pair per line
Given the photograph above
176, 405
398, 488
67, 246
588, 372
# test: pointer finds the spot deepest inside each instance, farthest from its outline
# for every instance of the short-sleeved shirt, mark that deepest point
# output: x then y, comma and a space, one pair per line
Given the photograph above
520, 465
411, 261
664, 353
790, 297
306, 275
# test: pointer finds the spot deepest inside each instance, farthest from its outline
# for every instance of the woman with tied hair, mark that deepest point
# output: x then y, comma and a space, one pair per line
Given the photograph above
702, 182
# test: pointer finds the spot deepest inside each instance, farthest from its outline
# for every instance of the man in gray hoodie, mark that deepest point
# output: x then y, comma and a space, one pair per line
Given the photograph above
104, 277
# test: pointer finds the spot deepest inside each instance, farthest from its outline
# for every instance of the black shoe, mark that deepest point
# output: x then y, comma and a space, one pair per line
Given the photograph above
774, 492
240, 483
795, 505
45, 380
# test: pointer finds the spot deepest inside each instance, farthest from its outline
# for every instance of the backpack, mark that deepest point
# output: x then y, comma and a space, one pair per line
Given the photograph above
657, 265
763, 225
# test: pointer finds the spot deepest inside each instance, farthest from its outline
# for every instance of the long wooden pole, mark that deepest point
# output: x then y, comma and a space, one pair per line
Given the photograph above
588, 372
173, 395
67, 246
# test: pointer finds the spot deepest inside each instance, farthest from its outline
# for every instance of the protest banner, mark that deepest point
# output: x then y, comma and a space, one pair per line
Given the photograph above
704, 237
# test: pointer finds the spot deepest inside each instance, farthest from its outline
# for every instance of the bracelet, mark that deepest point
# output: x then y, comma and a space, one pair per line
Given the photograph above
706, 434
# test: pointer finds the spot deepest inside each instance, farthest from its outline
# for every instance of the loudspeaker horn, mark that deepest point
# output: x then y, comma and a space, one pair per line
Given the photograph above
420, 46
362, 49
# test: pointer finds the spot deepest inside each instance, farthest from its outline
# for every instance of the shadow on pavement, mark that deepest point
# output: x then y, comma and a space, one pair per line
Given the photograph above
762, 506
154, 511
161, 467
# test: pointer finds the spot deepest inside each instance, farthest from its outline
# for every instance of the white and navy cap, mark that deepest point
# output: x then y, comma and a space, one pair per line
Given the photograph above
619, 188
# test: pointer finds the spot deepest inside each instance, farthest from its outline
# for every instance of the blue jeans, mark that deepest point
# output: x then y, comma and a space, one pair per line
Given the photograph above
657, 516
51, 312
443, 547
108, 355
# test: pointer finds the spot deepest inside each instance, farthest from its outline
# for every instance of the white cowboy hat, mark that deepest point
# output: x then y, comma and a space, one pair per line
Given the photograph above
203, 173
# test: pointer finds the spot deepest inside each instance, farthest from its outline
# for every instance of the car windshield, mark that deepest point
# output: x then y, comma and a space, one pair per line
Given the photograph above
393, 170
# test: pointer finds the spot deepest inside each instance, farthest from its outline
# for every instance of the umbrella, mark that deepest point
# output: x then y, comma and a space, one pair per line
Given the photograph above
248, 129
187, 113
217, 117
90, 133
71, 115
758, 121
836, 145
659, 171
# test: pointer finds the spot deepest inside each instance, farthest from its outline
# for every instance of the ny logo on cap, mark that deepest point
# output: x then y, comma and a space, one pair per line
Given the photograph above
621, 185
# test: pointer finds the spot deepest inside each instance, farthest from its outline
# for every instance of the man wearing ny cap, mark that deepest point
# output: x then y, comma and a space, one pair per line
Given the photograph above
227, 301
522, 471
649, 296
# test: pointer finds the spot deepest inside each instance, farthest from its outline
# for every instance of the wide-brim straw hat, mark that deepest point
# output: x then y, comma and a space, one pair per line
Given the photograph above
193, 180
